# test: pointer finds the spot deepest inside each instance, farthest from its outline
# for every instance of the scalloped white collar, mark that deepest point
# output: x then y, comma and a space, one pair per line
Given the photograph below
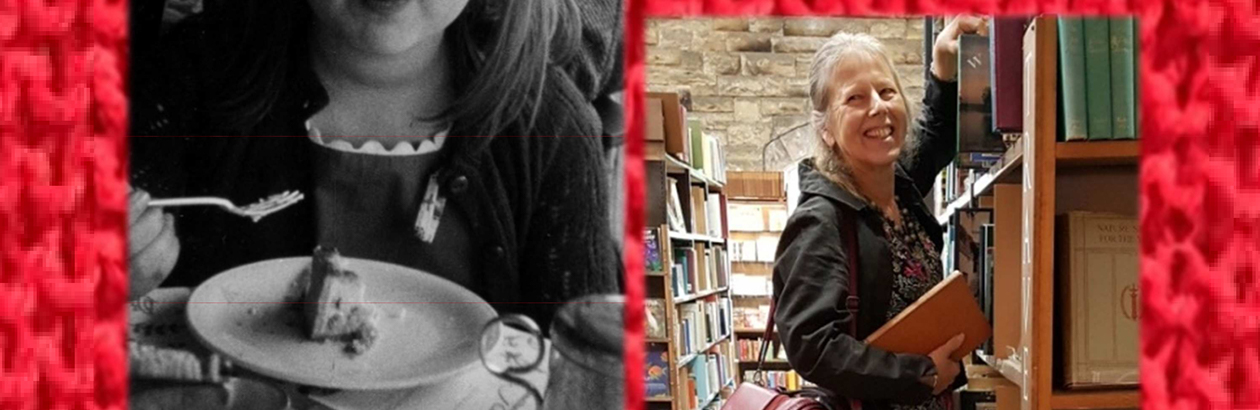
374, 147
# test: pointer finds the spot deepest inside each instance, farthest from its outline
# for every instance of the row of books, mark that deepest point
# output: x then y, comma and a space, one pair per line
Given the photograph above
758, 185
705, 217
751, 317
1097, 59
786, 379
760, 250
705, 152
751, 285
750, 217
708, 375
750, 349
699, 269
956, 180
702, 323
671, 132
1097, 92
1097, 295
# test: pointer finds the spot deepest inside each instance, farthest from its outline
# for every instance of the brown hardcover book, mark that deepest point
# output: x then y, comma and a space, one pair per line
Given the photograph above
699, 211
943, 312
674, 124
655, 119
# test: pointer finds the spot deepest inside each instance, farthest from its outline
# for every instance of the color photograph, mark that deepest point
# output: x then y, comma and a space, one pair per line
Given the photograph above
890, 213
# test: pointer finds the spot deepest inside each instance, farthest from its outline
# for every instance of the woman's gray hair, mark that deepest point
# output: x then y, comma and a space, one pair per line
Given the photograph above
840, 46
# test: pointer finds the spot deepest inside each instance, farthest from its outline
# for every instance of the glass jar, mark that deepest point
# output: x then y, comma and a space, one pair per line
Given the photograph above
587, 369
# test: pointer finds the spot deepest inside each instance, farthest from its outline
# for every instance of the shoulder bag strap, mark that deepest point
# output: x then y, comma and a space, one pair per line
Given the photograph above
851, 302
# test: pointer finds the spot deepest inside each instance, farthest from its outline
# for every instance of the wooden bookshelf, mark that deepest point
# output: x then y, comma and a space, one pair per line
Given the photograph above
770, 364
684, 236
1106, 399
686, 360
1050, 177
660, 284
753, 193
1092, 153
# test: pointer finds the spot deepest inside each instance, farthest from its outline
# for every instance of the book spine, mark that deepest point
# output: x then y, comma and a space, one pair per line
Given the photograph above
1137, 81
1098, 77
975, 117
1007, 68
684, 134
1123, 75
1072, 67
697, 144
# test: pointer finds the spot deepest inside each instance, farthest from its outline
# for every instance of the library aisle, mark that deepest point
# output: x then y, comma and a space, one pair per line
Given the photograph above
1038, 208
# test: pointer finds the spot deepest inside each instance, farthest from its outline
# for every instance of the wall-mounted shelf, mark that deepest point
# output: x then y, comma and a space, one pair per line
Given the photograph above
701, 295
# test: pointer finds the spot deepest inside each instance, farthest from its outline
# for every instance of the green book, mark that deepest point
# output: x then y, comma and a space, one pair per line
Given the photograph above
1123, 79
696, 132
1098, 78
1072, 69
1137, 79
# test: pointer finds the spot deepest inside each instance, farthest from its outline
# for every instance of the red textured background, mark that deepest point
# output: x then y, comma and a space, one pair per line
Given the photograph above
62, 192
62, 204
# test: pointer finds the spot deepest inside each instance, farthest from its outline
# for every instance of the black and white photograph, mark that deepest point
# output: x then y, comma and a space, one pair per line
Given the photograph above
365, 204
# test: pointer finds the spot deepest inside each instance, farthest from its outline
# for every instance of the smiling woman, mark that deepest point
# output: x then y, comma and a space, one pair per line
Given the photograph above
378, 68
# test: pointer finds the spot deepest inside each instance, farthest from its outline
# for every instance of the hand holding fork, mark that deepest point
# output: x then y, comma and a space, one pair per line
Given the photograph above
153, 247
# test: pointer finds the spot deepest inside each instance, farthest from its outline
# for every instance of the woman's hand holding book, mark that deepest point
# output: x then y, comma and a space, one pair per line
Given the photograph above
946, 368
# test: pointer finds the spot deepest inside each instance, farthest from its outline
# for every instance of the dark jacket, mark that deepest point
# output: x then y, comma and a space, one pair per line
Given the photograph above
811, 272
537, 209
179, 79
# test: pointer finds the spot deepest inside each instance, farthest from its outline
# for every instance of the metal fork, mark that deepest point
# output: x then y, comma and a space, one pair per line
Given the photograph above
255, 211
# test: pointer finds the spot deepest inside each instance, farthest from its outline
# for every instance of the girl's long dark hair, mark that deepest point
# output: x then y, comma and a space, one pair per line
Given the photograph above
508, 64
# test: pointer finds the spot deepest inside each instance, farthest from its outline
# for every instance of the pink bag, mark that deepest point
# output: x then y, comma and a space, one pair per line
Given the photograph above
750, 396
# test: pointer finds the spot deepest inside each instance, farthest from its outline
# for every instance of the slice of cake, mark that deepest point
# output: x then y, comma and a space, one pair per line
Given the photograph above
333, 303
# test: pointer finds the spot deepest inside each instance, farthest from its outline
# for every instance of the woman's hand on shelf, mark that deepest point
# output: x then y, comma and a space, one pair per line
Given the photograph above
945, 50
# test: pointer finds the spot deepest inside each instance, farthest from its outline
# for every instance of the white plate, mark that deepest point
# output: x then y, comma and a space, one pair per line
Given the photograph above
429, 327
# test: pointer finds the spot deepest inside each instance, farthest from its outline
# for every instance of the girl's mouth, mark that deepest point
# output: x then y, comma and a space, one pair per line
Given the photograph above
383, 7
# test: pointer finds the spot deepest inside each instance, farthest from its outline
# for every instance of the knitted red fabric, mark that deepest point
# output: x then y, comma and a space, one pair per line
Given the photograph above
62, 204
1200, 182
1200, 177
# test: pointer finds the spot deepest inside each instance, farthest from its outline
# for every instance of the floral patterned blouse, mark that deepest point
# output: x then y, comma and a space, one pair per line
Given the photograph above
916, 268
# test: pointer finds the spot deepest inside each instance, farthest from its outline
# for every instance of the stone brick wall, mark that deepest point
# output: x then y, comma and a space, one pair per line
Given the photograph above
749, 78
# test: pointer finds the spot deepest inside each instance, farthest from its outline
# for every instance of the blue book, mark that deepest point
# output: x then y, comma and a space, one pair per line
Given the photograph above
700, 370
657, 378
652, 251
